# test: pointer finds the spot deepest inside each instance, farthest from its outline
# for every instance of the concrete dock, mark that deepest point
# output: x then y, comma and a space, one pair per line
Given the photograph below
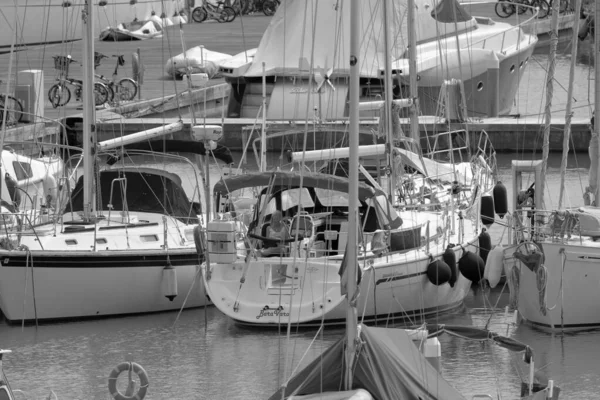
158, 104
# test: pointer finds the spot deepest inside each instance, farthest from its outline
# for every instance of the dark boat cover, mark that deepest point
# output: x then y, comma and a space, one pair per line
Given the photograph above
389, 367
450, 11
290, 180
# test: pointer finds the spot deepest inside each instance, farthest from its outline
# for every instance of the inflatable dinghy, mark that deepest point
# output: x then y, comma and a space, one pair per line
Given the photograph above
198, 60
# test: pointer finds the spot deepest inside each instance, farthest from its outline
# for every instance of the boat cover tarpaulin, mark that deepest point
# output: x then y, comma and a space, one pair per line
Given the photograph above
450, 11
389, 366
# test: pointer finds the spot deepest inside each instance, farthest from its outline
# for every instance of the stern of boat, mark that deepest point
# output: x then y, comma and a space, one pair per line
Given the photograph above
274, 290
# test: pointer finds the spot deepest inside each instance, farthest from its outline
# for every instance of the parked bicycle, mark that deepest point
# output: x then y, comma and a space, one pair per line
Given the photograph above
13, 107
124, 88
506, 8
60, 94
219, 11
267, 7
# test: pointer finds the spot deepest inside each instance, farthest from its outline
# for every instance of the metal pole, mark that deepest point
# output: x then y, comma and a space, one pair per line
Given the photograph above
352, 247
89, 109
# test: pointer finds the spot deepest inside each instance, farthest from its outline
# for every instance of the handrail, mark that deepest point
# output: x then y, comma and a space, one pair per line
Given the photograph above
504, 32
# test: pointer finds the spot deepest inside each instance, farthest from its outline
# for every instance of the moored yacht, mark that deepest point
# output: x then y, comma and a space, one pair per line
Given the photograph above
301, 58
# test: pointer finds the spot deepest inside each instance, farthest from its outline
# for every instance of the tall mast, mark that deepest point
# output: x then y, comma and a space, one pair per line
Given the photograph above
540, 186
412, 68
89, 110
351, 257
389, 94
597, 90
568, 112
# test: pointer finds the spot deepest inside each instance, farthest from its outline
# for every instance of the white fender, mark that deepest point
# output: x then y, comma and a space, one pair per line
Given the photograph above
494, 266
50, 189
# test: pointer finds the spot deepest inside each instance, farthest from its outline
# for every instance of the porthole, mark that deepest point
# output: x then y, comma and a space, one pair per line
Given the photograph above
102, 3
66, 4
512, 68
480, 86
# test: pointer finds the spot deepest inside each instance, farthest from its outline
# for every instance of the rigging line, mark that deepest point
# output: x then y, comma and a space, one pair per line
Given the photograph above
553, 78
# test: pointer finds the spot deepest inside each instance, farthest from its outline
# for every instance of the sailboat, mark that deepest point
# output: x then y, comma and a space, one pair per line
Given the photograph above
367, 363
417, 259
123, 241
555, 255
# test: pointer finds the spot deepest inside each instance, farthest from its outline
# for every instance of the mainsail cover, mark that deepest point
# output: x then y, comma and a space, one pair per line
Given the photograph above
389, 366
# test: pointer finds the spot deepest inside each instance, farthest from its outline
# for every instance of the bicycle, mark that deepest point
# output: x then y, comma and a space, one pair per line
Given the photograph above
125, 88
267, 7
60, 94
218, 11
14, 109
505, 9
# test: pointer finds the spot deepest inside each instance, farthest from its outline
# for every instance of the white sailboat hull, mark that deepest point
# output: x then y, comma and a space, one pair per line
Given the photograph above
392, 287
76, 271
72, 289
571, 296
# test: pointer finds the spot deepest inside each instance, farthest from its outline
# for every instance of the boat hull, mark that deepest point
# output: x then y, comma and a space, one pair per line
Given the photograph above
59, 285
394, 287
571, 296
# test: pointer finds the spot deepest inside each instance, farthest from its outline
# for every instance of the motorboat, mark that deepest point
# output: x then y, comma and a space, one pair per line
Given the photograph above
456, 54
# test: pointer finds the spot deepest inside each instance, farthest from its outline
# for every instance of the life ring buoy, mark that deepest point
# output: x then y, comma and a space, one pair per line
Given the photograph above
128, 366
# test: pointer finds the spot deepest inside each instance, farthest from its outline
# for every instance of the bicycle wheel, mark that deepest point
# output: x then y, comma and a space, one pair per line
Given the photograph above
269, 7
111, 92
544, 8
14, 109
199, 14
100, 93
59, 95
126, 89
504, 10
230, 13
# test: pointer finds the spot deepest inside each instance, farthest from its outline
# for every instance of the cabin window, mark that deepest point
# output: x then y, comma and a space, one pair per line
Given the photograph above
294, 197
149, 238
22, 170
101, 241
71, 242
332, 198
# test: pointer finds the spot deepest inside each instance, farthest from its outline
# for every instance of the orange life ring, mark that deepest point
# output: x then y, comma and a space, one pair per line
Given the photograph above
114, 375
